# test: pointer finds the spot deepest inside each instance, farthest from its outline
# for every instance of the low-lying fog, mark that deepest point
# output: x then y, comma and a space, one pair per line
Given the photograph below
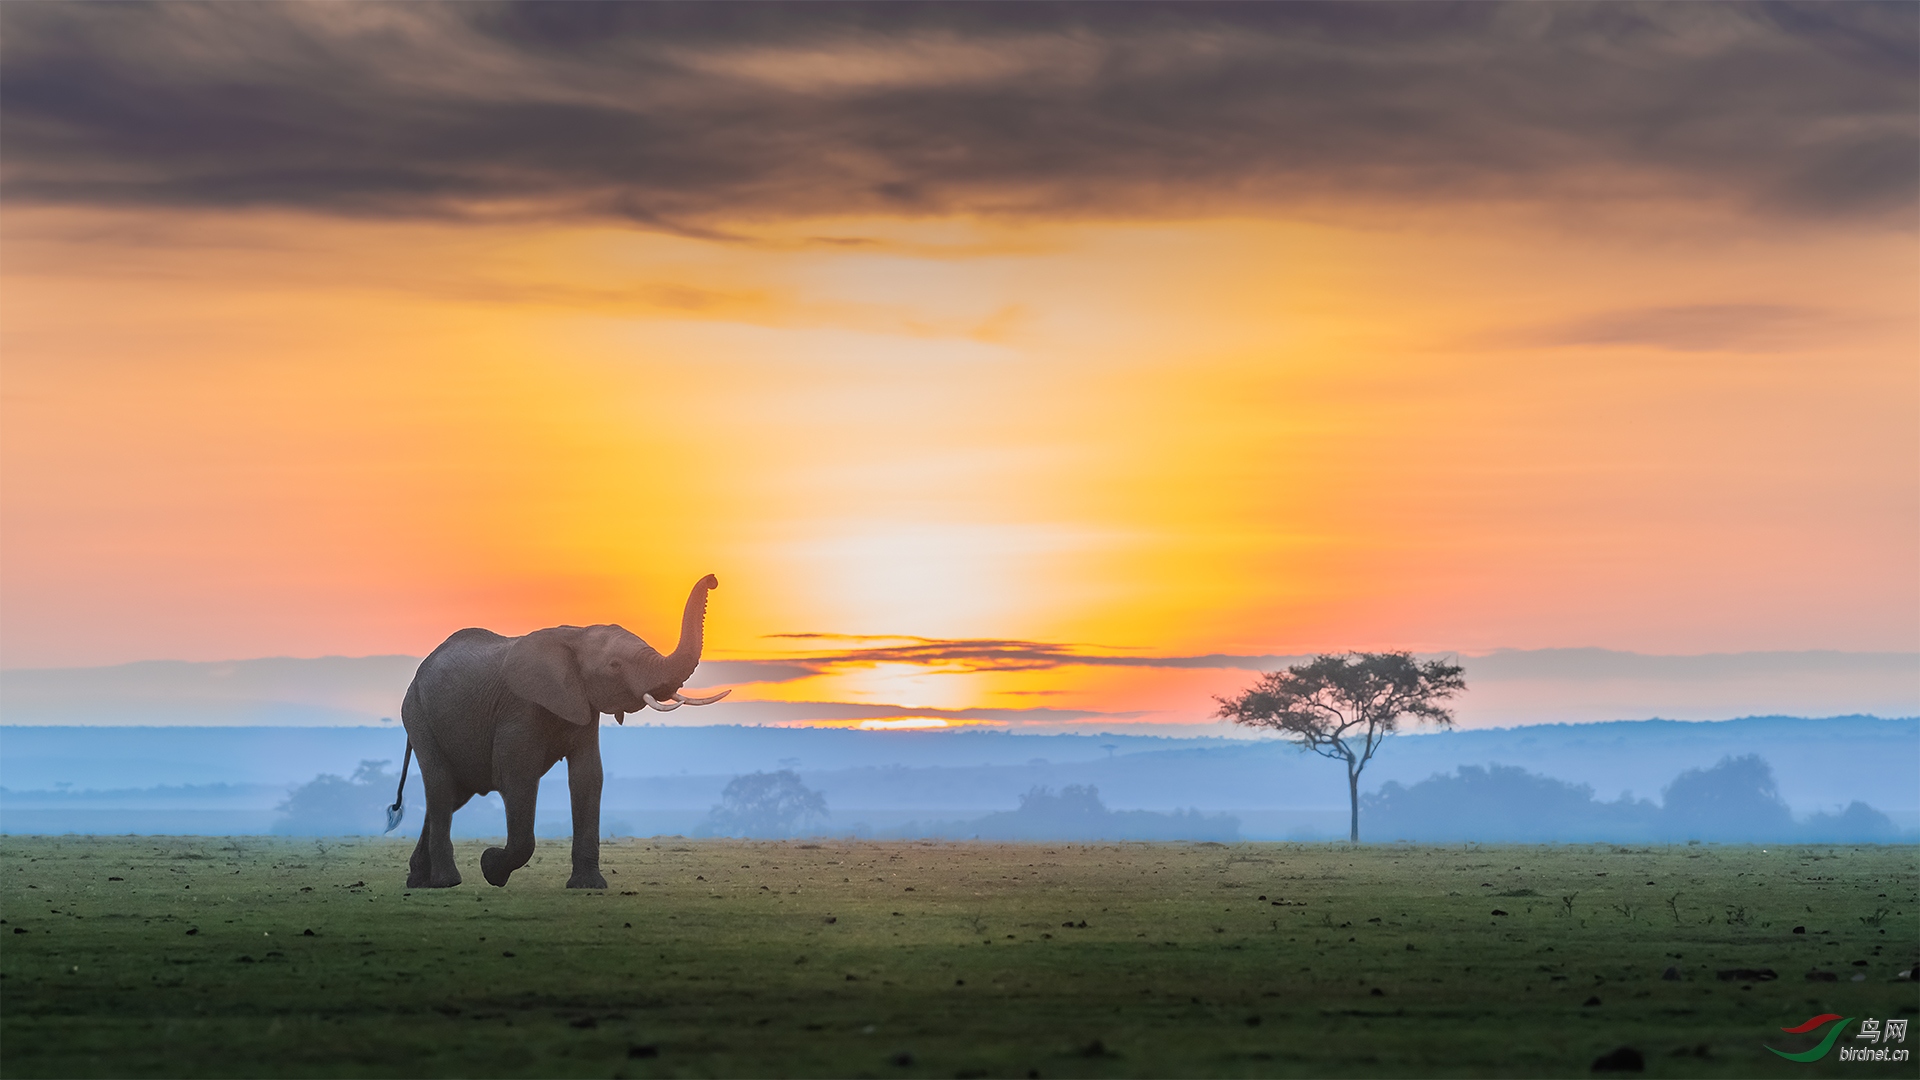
1770, 779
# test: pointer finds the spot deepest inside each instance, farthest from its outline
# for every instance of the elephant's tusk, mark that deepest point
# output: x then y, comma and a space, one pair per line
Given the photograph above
652, 704
708, 700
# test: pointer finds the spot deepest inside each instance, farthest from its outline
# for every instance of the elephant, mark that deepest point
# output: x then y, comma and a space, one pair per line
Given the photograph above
490, 713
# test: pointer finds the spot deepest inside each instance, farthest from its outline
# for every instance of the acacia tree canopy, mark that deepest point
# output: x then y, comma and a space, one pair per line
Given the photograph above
1344, 706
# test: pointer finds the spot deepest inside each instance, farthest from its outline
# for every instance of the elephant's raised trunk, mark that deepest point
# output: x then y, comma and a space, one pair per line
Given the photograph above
693, 623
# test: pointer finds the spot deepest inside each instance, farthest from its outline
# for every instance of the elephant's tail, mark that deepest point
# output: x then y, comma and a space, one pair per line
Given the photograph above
398, 810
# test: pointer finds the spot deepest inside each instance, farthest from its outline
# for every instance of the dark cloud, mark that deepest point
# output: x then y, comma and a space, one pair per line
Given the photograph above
692, 117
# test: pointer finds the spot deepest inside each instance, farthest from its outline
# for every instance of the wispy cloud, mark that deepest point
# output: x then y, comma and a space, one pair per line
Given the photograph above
809, 712
969, 655
695, 118
1693, 328
972, 655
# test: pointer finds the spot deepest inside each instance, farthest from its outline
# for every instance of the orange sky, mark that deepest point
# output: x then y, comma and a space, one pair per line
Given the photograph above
1669, 425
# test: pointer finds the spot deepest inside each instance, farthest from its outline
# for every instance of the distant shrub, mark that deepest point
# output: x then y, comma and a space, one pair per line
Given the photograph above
330, 806
1857, 824
1734, 800
765, 804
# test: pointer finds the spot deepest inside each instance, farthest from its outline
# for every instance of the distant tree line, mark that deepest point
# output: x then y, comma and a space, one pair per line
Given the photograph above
1076, 812
1735, 801
777, 805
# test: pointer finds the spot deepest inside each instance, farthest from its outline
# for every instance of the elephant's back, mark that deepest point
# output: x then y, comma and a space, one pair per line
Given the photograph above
456, 692
467, 666
471, 638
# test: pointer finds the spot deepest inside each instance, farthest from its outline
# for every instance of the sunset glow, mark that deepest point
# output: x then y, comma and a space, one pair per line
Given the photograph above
905, 723
1630, 410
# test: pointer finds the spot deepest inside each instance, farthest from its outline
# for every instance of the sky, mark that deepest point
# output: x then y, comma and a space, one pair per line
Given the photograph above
993, 357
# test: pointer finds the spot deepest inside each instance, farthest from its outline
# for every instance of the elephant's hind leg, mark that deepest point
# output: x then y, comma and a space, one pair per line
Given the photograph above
442, 872
432, 866
419, 869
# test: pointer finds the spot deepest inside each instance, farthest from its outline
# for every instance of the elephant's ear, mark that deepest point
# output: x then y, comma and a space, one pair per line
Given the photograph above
543, 668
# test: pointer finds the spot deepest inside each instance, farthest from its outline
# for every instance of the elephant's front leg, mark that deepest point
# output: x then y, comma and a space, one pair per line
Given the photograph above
583, 783
497, 863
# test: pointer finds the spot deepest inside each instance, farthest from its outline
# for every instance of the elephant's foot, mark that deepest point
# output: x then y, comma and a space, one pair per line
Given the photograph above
493, 865
587, 878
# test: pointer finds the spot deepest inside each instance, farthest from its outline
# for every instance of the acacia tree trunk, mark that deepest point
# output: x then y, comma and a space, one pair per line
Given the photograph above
1353, 800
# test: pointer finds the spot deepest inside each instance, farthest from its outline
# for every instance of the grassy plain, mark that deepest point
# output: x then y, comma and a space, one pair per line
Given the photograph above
256, 957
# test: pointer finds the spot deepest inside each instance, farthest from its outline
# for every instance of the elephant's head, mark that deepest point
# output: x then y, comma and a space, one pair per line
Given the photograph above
579, 672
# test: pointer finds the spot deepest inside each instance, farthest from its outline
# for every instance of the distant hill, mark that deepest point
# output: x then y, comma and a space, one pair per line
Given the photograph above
278, 691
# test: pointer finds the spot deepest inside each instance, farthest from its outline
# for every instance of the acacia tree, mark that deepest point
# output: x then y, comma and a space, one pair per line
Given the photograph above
1344, 707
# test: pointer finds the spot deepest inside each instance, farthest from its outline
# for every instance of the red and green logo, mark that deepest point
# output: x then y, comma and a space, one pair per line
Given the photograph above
1825, 1046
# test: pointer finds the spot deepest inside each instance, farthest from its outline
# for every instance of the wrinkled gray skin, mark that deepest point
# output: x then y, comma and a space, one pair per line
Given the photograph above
490, 713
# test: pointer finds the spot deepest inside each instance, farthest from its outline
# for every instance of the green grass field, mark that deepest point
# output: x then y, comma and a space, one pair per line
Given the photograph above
251, 957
